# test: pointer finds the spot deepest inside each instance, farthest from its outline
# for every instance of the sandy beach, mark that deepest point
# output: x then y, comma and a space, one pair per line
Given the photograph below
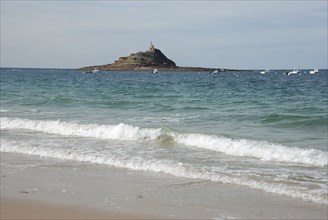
33, 187
18, 208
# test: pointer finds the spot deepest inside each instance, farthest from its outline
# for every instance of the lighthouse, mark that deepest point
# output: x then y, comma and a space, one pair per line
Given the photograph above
152, 48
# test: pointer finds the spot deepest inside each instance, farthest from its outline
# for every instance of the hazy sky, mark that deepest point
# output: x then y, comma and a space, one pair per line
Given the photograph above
227, 34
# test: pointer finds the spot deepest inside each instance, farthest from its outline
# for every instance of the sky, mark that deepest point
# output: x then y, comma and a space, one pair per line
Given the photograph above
220, 34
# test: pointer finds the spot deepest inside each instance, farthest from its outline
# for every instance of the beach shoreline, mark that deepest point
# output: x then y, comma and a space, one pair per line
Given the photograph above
62, 189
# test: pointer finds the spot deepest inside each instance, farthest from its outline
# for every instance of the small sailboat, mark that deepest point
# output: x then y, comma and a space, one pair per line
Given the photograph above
155, 71
264, 71
314, 71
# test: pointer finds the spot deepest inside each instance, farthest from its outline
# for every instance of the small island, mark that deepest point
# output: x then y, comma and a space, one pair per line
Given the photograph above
150, 60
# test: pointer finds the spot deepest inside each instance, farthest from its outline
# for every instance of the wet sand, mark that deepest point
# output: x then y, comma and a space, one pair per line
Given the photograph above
41, 188
14, 208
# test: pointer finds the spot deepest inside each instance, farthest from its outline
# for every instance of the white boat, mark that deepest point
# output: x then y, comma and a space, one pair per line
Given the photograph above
155, 71
95, 71
264, 71
214, 72
314, 71
294, 71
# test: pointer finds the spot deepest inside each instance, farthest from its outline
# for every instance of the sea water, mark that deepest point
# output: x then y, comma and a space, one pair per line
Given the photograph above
267, 131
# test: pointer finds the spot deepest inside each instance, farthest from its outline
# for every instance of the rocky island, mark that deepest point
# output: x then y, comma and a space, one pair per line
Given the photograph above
150, 60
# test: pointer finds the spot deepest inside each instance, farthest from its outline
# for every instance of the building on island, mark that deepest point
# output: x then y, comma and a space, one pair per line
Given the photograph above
152, 48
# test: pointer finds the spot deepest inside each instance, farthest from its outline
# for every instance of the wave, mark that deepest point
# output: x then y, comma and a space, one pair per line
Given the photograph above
115, 132
272, 118
295, 120
64, 99
261, 150
167, 167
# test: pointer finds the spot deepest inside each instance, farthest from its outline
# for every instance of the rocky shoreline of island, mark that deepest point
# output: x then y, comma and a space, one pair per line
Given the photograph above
152, 60
159, 69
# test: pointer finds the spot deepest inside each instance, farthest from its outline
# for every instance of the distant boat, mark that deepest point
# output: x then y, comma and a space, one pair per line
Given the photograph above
314, 71
155, 71
294, 71
92, 71
264, 71
214, 72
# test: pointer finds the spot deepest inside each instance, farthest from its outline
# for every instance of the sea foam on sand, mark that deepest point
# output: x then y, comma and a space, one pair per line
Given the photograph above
142, 193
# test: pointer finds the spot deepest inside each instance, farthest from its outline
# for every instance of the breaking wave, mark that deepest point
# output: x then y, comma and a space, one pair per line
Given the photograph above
167, 167
241, 148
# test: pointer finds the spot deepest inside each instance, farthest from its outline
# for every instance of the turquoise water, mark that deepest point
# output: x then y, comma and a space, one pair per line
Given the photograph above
265, 131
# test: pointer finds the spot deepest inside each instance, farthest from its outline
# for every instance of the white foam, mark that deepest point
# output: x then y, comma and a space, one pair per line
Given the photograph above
168, 167
259, 149
115, 132
242, 148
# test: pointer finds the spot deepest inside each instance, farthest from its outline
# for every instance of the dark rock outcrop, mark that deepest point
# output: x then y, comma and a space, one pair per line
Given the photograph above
147, 61
149, 58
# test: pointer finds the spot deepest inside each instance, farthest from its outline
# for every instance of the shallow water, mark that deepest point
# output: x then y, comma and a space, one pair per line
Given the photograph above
266, 132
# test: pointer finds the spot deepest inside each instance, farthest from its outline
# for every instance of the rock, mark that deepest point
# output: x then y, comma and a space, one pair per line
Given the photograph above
148, 61
144, 59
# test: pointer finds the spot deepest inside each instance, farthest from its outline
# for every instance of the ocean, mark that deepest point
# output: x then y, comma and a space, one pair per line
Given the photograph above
267, 132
